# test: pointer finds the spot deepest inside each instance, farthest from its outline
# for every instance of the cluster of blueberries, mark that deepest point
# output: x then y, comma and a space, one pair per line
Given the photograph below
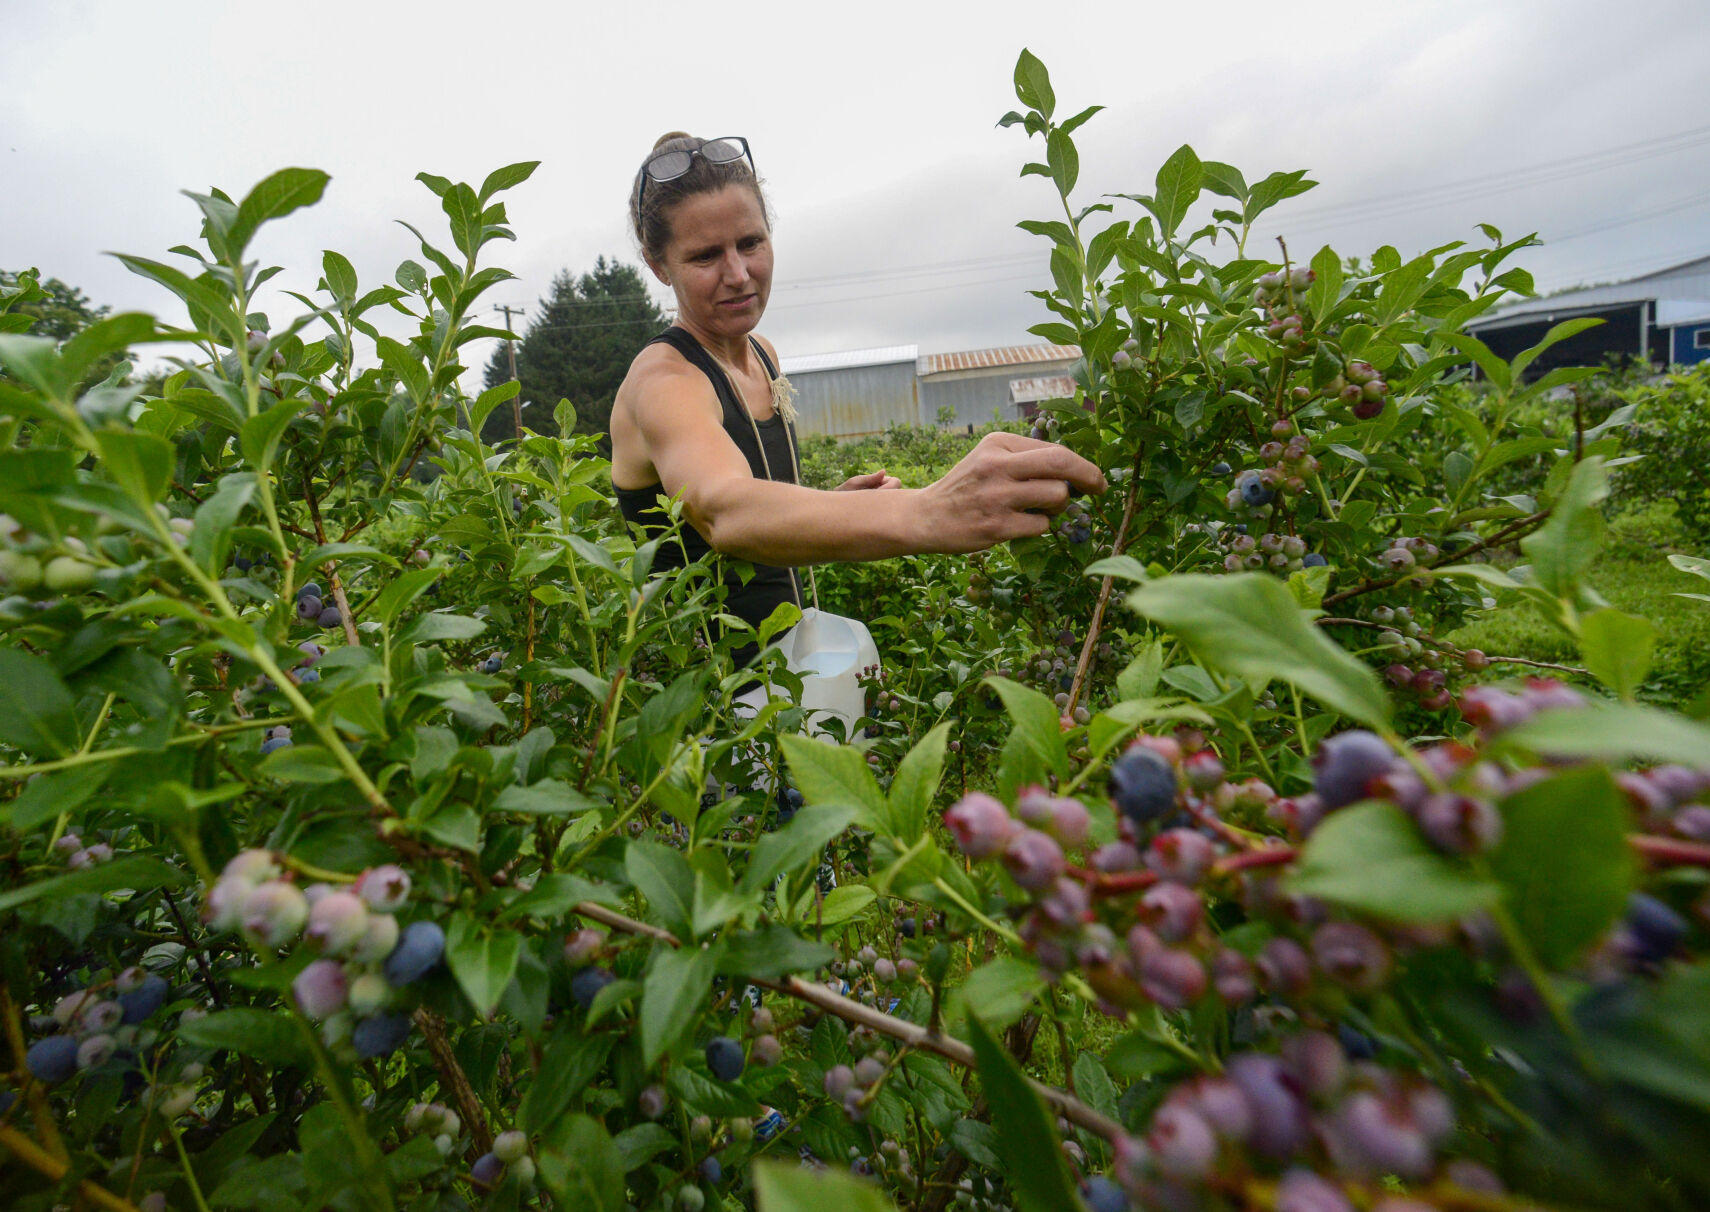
87, 1028
311, 608
365, 957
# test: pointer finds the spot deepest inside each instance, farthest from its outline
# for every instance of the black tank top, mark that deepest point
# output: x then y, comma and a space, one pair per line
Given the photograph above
751, 601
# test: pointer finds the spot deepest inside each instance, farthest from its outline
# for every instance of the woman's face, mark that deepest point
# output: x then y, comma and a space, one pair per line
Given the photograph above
719, 261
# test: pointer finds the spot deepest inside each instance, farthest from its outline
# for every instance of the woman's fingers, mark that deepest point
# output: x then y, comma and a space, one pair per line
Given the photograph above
1048, 461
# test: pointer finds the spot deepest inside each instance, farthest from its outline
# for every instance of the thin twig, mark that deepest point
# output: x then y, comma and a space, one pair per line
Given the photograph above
38, 1159
451, 1073
1097, 622
1501, 536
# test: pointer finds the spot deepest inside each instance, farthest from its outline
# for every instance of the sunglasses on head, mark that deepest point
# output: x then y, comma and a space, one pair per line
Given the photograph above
669, 165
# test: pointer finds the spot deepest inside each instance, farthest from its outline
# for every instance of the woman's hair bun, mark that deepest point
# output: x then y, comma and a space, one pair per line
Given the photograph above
662, 140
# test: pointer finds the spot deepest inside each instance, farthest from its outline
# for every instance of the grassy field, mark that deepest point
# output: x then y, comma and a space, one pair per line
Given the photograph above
1634, 574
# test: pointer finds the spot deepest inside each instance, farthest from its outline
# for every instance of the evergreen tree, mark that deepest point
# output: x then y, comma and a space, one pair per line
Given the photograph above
577, 347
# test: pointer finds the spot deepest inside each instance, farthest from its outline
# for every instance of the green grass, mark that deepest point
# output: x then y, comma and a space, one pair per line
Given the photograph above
1633, 574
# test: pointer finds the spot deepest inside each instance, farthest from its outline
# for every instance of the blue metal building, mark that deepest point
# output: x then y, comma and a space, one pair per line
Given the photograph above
1662, 317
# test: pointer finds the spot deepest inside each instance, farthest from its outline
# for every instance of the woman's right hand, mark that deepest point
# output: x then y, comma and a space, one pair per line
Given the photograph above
1007, 487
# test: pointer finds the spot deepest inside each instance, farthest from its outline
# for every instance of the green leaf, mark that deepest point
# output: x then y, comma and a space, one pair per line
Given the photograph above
1558, 333
548, 797
507, 177
1178, 185
836, 775
677, 981
1370, 857
210, 541
554, 895
1564, 861
434, 626
36, 710
579, 1165
302, 764
782, 1187
1618, 649
139, 462
998, 993
1564, 546
1250, 625
844, 903
47, 795
773, 951
664, 877
1093, 1084
340, 275
1326, 290
572, 1060
261, 433
273, 198
1036, 725
1033, 84
1613, 732
132, 871
400, 591
800, 843
482, 963
916, 782
273, 1038
1495, 369
1032, 1157
698, 1092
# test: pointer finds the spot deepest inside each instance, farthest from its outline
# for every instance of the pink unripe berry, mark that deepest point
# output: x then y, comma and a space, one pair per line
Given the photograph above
1172, 911
1203, 770
1069, 822
1232, 976
1173, 978
884, 971
581, 947
337, 923
1183, 1145
385, 888
839, 1080
868, 1070
320, 989
765, 1051
1181, 855
1285, 968
982, 826
273, 914
1033, 859
68, 843
1115, 857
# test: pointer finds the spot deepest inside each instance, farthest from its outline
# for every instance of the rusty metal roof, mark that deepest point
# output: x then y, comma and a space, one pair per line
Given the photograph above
1044, 387
1003, 355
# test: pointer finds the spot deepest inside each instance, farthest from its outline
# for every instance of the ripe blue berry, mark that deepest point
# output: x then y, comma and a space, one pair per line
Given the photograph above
1143, 785
308, 607
380, 1035
1102, 1195
309, 589
53, 1059
1254, 491
1280, 1125
1313, 559
585, 986
141, 1002
1654, 931
493, 664
487, 1170
711, 1171
418, 952
330, 617
724, 1058
1346, 763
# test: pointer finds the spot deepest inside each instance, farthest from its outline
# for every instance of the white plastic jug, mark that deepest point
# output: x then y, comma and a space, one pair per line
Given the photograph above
828, 652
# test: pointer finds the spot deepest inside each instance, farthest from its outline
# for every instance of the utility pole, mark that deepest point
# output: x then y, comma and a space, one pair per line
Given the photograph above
511, 353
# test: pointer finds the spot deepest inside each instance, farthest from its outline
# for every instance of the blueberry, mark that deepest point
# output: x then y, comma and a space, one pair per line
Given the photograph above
1220, 469
1313, 559
711, 1171
1346, 763
53, 1059
273, 743
380, 1035
306, 677
141, 1002
487, 1170
330, 617
1655, 930
585, 986
1102, 1195
418, 952
906, 927
308, 607
1357, 1044
311, 589
1143, 785
1255, 492
493, 664
724, 1058
242, 563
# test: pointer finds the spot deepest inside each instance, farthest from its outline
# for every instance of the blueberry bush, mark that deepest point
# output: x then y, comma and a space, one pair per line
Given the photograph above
380, 831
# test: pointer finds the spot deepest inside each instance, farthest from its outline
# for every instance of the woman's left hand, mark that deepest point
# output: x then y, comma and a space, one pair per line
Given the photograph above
873, 479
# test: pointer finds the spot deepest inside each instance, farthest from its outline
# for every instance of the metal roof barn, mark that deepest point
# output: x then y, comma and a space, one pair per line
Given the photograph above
861, 391
1663, 317
1005, 383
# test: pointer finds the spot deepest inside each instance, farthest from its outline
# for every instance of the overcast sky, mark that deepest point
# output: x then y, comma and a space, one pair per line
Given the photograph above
872, 124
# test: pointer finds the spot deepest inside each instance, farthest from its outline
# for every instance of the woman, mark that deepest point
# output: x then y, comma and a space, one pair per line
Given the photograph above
699, 412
